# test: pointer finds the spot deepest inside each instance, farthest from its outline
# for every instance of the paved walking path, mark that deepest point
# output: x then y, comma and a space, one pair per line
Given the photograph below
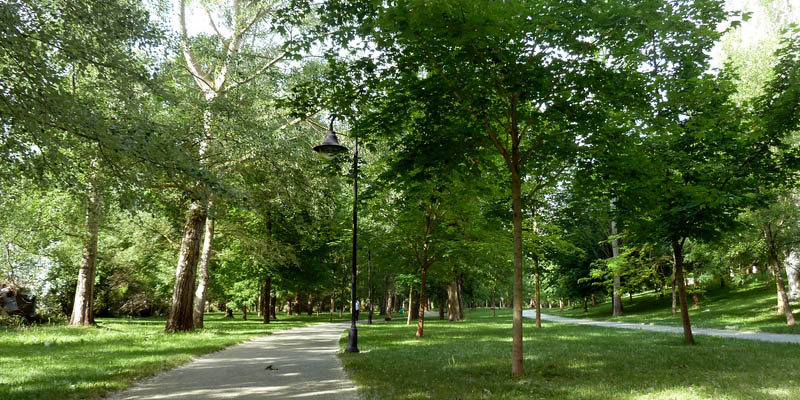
764, 337
299, 363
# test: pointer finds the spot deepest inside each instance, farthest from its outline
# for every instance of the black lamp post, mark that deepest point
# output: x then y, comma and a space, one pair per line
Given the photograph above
330, 146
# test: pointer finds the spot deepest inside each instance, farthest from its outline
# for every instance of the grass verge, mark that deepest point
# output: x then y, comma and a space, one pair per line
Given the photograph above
54, 361
472, 360
750, 307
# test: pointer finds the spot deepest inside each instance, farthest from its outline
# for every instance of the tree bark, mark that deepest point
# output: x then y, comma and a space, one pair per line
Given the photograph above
181, 316
202, 270
776, 265
310, 310
228, 313
83, 307
677, 249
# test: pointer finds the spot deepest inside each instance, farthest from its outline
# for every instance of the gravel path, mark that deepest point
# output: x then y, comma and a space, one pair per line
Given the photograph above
298, 363
764, 337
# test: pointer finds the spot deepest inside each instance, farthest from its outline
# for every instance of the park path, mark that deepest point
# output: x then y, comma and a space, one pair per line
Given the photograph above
298, 363
764, 337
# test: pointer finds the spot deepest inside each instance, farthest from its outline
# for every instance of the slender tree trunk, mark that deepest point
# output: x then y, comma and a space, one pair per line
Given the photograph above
181, 315
677, 249
776, 265
538, 293
459, 286
451, 301
274, 307
310, 310
244, 313
674, 298
517, 367
266, 296
423, 300
83, 307
616, 298
389, 304
202, 270
369, 285
410, 304
494, 301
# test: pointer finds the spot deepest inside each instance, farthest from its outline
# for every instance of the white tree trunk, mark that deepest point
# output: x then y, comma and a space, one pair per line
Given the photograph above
202, 270
792, 263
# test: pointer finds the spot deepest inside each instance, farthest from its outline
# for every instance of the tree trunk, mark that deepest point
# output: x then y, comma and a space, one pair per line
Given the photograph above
266, 296
83, 307
310, 310
274, 307
616, 298
228, 313
677, 249
244, 313
423, 300
792, 266
202, 270
494, 300
517, 367
389, 304
181, 315
674, 298
776, 265
539, 293
410, 297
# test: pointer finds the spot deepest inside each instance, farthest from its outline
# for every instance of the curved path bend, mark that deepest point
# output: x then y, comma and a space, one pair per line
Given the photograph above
764, 337
298, 363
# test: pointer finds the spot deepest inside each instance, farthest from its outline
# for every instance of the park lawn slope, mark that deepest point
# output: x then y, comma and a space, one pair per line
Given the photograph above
54, 361
751, 307
472, 360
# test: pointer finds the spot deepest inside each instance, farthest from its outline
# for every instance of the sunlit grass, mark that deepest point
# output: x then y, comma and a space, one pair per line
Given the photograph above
53, 361
751, 307
472, 360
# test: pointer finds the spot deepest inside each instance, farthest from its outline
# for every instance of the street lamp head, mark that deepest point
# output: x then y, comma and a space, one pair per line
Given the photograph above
330, 145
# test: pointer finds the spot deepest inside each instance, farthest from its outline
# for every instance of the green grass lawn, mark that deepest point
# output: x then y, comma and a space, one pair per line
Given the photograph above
53, 361
472, 360
750, 307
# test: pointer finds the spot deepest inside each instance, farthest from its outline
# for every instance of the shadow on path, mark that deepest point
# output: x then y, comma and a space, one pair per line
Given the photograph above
299, 363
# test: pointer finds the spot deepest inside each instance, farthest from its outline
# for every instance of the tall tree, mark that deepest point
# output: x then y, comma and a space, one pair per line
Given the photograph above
529, 75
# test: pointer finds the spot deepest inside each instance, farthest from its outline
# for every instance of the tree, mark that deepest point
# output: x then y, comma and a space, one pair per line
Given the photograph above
221, 68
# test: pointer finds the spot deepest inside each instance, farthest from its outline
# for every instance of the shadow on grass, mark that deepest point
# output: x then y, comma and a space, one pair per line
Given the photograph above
51, 361
472, 359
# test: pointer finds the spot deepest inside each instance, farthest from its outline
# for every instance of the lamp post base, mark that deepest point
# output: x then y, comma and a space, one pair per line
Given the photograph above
352, 341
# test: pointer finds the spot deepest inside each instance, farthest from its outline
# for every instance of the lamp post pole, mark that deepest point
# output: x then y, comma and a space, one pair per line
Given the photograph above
352, 342
329, 146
